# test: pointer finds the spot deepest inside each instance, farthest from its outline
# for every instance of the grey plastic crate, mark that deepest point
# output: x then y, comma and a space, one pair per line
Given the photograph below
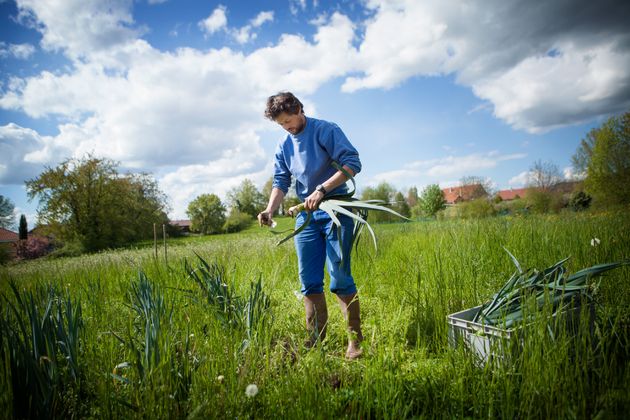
487, 341
483, 340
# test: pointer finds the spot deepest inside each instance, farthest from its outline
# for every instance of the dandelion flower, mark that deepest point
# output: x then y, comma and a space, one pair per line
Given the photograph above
251, 390
595, 241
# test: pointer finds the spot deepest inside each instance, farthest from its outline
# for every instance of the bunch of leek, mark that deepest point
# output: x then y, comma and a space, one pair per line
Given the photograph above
553, 285
343, 204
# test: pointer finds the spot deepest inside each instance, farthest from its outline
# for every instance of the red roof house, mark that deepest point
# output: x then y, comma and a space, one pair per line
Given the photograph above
454, 195
184, 225
8, 236
512, 194
9, 239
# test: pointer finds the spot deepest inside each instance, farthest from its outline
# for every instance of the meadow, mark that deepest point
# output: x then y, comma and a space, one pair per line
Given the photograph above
121, 334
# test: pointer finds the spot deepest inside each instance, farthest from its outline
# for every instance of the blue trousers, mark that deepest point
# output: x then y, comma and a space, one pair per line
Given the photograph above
319, 244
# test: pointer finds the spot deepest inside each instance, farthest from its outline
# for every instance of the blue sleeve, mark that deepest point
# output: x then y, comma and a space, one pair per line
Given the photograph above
281, 173
341, 150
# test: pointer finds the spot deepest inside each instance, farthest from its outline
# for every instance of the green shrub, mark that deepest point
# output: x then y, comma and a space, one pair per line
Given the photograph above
579, 201
513, 207
5, 253
476, 209
539, 201
236, 222
69, 249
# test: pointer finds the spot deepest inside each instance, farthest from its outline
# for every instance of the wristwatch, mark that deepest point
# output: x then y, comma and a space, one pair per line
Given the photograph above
321, 189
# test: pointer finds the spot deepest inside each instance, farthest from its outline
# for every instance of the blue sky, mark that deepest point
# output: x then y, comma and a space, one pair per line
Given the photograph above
428, 91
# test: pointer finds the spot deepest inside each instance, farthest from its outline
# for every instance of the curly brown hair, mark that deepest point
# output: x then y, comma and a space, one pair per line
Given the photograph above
283, 102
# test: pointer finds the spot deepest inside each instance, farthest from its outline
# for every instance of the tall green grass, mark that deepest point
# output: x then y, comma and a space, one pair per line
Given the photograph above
223, 314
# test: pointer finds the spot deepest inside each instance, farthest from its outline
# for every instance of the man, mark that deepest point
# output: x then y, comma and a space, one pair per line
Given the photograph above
307, 154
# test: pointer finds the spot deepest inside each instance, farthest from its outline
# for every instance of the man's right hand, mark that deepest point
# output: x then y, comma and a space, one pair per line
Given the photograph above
264, 218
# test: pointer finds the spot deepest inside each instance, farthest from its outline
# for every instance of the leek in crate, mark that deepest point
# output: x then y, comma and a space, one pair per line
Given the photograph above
506, 307
483, 328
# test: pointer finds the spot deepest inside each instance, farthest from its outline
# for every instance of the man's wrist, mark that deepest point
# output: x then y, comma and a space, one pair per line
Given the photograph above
320, 188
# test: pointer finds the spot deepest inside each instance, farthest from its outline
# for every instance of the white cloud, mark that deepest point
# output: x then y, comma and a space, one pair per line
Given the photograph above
261, 18
570, 174
215, 22
215, 177
575, 85
244, 35
295, 6
80, 27
466, 165
436, 170
520, 180
172, 113
538, 67
19, 51
15, 143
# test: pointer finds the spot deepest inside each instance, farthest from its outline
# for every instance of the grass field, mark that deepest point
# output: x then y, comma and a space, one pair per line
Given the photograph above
151, 340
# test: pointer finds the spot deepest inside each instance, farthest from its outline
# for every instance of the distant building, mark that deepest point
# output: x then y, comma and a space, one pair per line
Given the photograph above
564, 187
454, 195
183, 225
512, 194
9, 240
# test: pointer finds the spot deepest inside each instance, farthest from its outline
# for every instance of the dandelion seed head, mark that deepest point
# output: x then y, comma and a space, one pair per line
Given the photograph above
298, 295
595, 241
220, 378
251, 390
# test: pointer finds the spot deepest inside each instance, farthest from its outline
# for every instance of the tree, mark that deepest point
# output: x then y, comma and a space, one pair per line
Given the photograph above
87, 202
412, 196
384, 192
400, 205
266, 191
6, 212
23, 230
207, 214
290, 199
604, 158
236, 221
543, 175
431, 200
246, 198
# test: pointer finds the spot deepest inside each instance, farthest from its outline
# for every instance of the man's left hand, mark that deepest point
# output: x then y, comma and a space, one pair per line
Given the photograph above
312, 201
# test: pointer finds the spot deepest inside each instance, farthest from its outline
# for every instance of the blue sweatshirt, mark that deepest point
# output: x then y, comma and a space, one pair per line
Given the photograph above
308, 156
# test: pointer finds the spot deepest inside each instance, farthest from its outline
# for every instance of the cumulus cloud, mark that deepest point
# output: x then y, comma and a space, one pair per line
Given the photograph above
261, 18
245, 34
520, 180
463, 165
19, 51
448, 167
80, 27
175, 112
215, 22
295, 6
15, 144
539, 67
569, 174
